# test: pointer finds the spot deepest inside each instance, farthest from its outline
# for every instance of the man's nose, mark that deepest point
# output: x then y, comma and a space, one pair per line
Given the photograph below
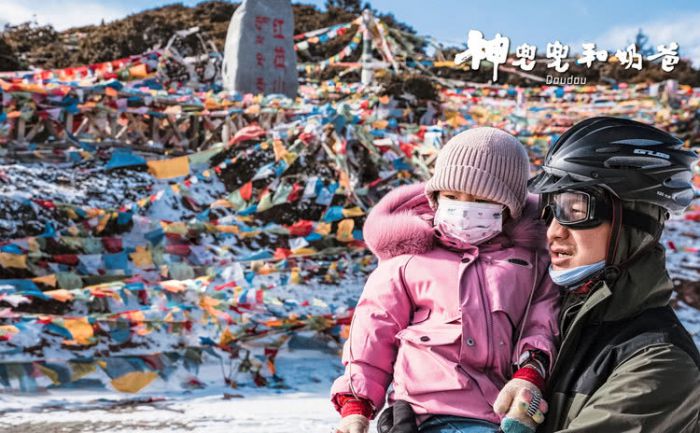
556, 230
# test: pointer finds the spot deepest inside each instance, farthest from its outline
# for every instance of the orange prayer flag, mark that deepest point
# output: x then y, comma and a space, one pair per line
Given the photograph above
49, 280
174, 286
61, 295
226, 337
110, 91
138, 71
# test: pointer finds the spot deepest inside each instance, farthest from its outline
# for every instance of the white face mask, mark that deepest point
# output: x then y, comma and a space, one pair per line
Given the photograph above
468, 222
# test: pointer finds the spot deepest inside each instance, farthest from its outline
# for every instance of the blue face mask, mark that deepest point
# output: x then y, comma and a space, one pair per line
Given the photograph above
568, 277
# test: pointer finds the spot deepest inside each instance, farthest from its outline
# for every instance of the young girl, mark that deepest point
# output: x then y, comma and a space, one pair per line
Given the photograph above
461, 295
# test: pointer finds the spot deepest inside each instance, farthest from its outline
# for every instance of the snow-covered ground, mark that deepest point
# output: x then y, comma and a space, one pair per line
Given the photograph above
305, 407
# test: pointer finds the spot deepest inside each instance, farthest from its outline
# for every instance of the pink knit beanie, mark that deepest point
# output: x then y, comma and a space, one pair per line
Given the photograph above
485, 162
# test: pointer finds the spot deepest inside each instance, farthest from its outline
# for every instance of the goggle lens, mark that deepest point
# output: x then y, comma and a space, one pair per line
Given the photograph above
575, 209
570, 207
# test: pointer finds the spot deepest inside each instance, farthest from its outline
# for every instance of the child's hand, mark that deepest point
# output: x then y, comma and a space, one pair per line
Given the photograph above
353, 424
520, 400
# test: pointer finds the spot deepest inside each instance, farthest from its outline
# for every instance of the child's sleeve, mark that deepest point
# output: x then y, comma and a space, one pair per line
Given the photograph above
370, 351
541, 329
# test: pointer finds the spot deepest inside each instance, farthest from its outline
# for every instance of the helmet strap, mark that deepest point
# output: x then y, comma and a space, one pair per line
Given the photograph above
613, 271
634, 219
615, 232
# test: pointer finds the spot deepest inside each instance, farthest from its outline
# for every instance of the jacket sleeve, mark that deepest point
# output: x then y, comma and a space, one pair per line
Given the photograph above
657, 390
541, 330
369, 353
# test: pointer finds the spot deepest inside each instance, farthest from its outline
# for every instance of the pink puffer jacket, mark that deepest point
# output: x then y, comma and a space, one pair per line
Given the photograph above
440, 326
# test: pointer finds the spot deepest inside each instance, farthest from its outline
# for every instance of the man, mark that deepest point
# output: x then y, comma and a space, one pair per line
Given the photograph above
625, 364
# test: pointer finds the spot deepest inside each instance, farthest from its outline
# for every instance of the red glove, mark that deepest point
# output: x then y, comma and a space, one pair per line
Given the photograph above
351, 405
531, 375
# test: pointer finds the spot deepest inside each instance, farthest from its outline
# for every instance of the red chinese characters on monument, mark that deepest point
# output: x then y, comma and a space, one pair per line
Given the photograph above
279, 59
277, 28
260, 24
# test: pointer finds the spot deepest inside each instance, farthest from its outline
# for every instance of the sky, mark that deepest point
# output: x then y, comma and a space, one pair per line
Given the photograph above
610, 24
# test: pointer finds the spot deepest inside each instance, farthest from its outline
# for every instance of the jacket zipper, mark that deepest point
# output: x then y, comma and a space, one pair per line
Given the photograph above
566, 315
487, 309
577, 319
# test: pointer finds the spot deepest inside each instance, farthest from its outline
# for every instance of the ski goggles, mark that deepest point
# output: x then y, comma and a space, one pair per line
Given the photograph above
576, 209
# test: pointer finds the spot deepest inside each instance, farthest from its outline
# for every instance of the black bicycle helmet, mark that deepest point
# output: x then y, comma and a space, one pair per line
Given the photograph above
632, 160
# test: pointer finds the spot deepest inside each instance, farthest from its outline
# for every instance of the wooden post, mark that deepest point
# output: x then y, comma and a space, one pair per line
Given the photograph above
226, 130
154, 131
195, 141
69, 125
367, 73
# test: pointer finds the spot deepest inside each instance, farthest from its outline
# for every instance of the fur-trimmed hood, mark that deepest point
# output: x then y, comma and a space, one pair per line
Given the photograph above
402, 223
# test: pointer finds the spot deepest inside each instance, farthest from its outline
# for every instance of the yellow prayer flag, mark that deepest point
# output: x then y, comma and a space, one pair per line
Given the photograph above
344, 180
345, 228
142, 257
221, 203
51, 374
295, 278
323, 228
226, 337
279, 149
103, 223
169, 168
80, 329
457, 121
80, 369
8, 260
134, 381
177, 227
290, 157
303, 252
353, 212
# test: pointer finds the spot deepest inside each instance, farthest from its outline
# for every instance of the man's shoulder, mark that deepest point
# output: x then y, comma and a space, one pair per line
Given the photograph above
608, 346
